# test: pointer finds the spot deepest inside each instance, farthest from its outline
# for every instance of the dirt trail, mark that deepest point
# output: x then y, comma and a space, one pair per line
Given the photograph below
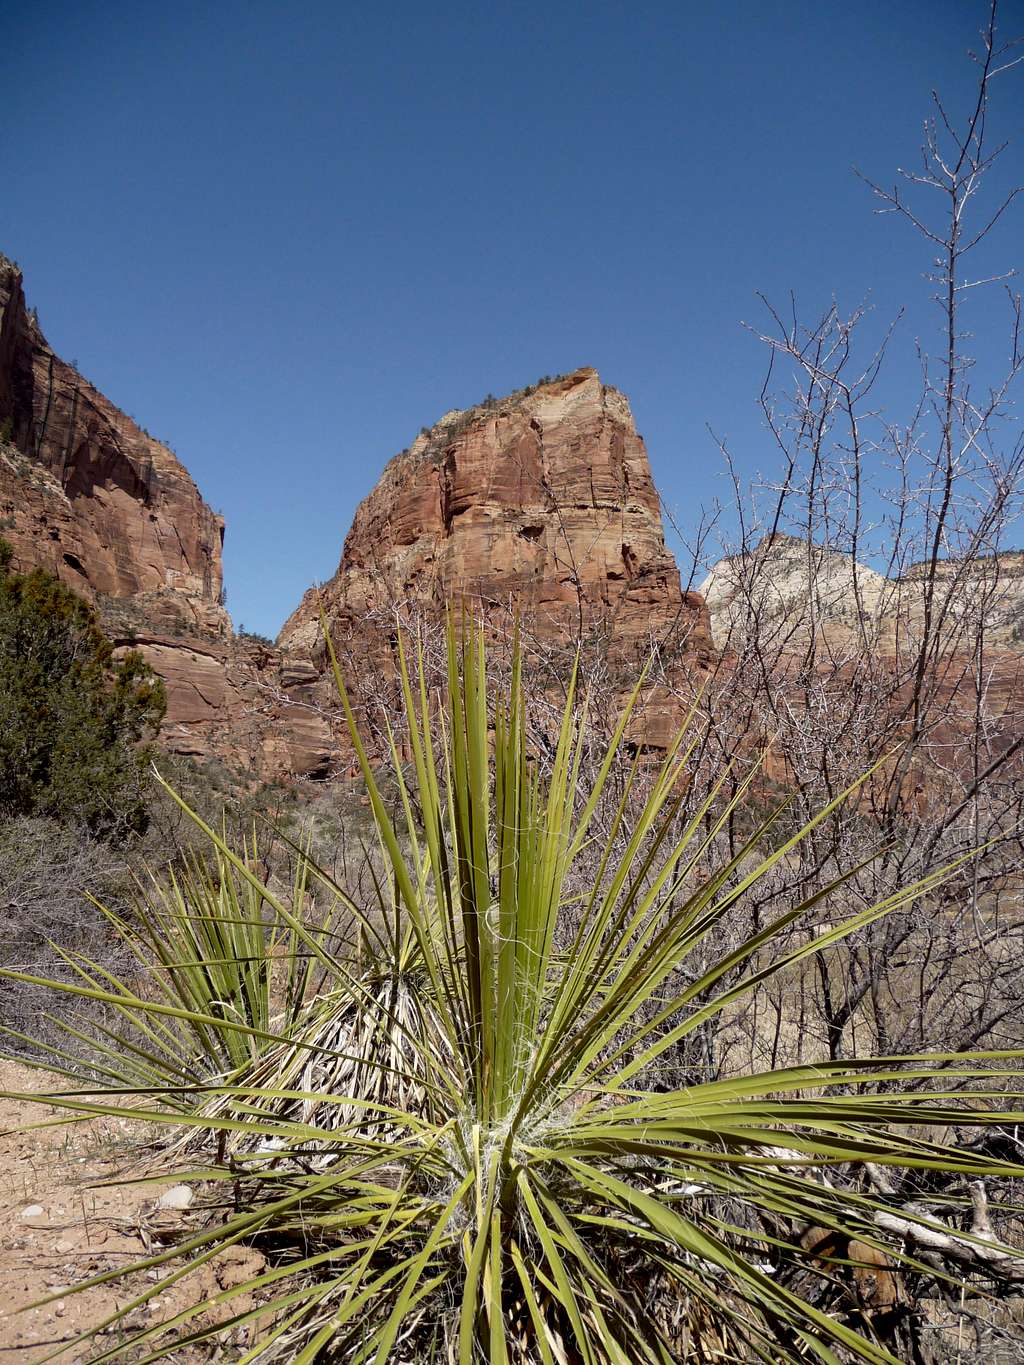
56, 1230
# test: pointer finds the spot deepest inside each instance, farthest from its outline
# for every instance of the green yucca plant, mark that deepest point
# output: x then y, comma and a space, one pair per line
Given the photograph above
458, 1146
220, 969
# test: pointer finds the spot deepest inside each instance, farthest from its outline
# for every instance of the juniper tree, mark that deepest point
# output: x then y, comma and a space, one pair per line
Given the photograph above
74, 719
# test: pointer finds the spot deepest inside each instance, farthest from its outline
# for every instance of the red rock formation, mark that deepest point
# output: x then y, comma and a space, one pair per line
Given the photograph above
116, 514
89, 496
540, 505
242, 702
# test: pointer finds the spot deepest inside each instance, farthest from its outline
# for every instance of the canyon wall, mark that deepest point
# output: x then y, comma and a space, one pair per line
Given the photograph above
539, 507
785, 589
815, 643
88, 495
541, 504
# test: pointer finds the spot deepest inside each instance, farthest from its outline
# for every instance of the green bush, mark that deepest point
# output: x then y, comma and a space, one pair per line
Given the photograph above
73, 719
255, 637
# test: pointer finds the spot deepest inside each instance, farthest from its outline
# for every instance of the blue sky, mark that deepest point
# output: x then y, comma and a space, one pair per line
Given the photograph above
285, 238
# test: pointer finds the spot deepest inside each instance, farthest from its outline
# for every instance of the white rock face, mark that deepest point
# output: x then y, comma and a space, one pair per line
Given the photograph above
789, 589
785, 586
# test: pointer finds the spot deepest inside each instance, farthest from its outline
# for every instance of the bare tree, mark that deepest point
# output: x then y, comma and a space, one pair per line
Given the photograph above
869, 610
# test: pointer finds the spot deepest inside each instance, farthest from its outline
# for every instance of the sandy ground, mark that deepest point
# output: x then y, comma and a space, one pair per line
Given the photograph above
83, 1231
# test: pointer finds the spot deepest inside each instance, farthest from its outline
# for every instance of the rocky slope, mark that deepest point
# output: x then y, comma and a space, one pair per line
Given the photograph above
814, 628
88, 495
540, 505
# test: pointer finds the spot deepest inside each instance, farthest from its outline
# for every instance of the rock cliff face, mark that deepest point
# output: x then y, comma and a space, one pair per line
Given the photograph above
98, 500
88, 495
785, 589
816, 628
540, 505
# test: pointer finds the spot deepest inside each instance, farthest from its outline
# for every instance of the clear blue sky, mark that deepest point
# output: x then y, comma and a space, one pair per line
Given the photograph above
286, 237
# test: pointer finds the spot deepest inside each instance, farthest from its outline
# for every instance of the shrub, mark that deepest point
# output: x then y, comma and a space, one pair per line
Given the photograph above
49, 873
460, 1145
255, 637
72, 717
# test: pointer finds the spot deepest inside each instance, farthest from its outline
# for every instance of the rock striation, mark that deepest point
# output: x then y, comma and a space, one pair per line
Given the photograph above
539, 506
88, 495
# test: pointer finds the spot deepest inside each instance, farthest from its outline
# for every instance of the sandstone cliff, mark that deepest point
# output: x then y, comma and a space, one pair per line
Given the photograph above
539, 505
88, 495
785, 589
817, 630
